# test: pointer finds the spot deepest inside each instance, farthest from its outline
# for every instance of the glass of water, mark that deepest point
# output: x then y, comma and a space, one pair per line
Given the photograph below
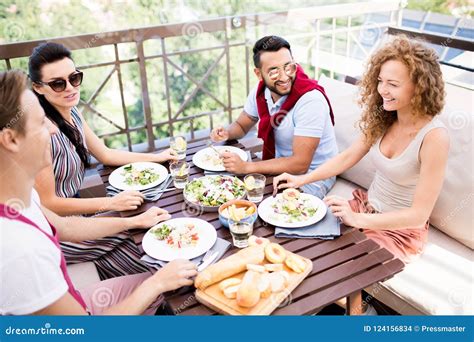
240, 231
179, 145
255, 184
180, 174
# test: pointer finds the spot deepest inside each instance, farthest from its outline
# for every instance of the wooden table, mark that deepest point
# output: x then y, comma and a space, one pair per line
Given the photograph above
341, 267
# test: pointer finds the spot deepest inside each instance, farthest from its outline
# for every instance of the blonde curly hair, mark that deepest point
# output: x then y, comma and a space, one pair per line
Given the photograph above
425, 72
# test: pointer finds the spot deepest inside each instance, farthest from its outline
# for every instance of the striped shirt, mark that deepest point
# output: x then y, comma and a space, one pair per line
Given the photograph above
113, 256
67, 165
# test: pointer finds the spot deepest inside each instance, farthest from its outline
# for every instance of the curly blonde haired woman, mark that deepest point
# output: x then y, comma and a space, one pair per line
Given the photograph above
402, 92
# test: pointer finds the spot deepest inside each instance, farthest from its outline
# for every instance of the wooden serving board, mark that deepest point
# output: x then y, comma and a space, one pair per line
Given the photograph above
213, 297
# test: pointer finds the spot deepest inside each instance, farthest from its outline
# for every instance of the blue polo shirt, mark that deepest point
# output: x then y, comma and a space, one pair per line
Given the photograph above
309, 117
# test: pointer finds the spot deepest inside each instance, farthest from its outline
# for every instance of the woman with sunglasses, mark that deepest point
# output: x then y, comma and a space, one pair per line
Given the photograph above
56, 83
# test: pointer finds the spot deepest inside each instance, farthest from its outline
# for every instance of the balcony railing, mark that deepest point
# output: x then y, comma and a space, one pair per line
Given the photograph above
158, 57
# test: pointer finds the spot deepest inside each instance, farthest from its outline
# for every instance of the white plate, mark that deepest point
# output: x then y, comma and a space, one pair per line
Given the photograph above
200, 156
265, 211
162, 251
118, 181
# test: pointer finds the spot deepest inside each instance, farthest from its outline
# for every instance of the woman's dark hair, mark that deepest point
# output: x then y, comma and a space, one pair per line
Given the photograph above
49, 53
268, 43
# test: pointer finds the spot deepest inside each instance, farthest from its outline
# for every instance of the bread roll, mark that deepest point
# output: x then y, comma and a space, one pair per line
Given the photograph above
277, 281
285, 275
248, 293
229, 266
264, 286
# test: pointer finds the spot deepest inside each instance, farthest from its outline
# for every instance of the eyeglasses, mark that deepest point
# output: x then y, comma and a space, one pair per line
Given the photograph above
60, 85
289, 69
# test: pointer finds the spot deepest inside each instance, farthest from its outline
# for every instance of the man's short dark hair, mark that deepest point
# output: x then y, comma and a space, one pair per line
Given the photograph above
268, 43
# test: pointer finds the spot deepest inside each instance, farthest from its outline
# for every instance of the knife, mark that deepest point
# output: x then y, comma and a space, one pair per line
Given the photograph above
207, 261
165, 190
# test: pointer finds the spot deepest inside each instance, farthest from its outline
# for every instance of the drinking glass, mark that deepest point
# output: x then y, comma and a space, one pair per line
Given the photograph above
180, 174
240, 231
179, 145
255, 184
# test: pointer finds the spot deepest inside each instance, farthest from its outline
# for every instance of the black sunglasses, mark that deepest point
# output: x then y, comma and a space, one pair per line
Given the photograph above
59, 85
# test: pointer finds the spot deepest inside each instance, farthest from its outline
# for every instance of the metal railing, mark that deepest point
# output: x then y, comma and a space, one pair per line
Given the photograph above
438, 39
335, 29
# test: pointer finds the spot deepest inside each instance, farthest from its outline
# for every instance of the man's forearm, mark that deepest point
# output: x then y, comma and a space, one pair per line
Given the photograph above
235, 131
276, 166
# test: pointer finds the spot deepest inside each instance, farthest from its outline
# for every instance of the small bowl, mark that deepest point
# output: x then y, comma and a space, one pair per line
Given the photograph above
238, 203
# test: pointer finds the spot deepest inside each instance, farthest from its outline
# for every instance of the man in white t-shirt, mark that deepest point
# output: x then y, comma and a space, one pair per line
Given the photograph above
303, 138
33, 276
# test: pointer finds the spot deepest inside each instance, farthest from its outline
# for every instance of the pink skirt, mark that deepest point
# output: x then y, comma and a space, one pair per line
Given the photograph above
405, 244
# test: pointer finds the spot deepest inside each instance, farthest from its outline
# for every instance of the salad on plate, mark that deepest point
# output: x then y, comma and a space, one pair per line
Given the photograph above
177, 236
291, 207
214, 190
134, 176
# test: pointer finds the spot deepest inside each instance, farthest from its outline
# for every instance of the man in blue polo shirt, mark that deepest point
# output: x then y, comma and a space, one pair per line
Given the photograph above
294, 116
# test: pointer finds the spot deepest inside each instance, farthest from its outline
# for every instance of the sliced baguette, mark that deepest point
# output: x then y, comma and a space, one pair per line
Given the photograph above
231, 291
256, 268
229, 282
273, 267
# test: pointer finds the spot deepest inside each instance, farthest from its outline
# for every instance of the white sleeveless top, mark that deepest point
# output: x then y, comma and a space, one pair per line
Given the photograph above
395, 179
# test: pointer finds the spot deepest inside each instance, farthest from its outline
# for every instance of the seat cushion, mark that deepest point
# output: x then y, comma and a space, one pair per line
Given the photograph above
440, 281
453, 212
343, 97
343, 188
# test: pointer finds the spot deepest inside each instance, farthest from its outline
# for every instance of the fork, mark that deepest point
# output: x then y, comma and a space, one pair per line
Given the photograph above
209, 144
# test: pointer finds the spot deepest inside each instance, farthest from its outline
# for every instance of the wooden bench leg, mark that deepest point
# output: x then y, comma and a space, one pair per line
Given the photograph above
354, 303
